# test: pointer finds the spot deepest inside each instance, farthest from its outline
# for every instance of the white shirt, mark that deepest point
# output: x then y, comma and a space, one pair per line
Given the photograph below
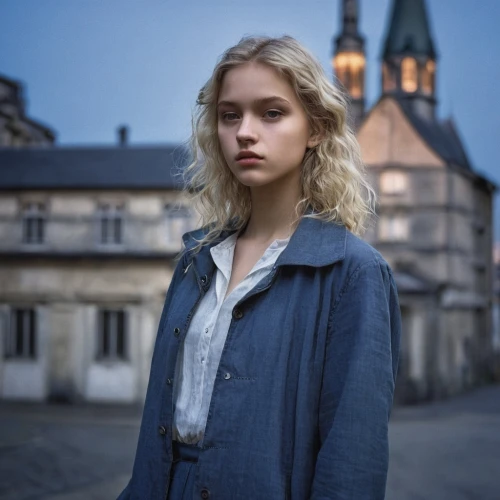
200, 353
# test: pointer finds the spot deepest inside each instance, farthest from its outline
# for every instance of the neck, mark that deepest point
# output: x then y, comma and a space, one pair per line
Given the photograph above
273, 211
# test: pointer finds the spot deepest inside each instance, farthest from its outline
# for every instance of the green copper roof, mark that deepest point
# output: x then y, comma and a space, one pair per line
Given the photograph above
409, 31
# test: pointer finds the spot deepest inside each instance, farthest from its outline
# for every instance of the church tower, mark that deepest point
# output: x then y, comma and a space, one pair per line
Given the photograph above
409, 58
349, 59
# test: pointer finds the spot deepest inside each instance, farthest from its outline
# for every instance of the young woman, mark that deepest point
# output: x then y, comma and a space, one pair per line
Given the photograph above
276, 355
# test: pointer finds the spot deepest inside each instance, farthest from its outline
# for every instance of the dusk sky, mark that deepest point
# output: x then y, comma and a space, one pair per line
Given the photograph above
91, 65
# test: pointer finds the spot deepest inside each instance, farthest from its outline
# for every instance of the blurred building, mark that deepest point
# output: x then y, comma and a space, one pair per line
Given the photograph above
88, 238
16, 129
434, 222
496, 311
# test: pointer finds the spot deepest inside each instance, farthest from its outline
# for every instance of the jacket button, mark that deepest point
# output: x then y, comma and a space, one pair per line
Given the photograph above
237, 313
177, 331
205, 493
203, 279
169, 381
227, 376
162, 430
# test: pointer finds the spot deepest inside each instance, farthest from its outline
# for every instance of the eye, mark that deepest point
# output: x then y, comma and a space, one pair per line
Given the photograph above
273, 114
229, 116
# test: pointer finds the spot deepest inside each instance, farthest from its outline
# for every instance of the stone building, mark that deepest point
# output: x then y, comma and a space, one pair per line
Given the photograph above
434, 223
16, 129
496, 311
88, 238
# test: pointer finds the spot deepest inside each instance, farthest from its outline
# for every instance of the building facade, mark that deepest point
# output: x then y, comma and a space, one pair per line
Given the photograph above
88, 236
88, 239
496, 311
434, 217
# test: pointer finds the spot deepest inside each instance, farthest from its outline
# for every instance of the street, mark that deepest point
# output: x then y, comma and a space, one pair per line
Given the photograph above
447, 450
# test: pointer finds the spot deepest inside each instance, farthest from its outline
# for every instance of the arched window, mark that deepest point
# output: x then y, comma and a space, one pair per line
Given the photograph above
428, 77
409, 80
350, 70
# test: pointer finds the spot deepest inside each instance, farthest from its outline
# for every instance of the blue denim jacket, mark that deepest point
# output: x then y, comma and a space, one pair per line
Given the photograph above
304, 389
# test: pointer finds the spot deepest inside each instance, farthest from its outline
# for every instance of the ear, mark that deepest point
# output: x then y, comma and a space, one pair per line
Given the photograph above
314, 140
315, 136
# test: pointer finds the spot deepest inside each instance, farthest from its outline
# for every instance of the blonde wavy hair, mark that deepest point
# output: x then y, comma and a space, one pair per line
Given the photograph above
334, 183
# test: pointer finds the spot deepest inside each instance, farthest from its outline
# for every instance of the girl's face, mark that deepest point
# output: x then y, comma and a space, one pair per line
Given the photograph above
260, 115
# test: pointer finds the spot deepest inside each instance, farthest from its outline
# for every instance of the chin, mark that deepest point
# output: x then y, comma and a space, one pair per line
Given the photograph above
253, 179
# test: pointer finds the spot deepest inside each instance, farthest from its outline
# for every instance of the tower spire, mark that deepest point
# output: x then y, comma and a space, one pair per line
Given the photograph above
349, 59
350, 17
409, 57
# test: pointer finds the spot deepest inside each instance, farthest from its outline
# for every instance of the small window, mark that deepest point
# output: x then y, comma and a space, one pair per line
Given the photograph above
34, 224
393, 228
428, 77
409, 74
111, 224
21, 336
111, 335
389, 82
393, 182
178, 220
350, 69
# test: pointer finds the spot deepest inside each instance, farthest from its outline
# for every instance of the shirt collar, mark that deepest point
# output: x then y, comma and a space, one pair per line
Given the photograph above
314, 243
223, 254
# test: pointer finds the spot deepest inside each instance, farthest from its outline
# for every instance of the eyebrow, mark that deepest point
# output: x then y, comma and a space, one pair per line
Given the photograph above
264, 100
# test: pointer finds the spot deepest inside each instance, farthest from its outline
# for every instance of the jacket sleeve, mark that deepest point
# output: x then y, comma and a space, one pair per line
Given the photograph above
360, 369
126, 494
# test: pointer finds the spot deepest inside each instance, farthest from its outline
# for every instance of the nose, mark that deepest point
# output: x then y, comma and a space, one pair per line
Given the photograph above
247, 130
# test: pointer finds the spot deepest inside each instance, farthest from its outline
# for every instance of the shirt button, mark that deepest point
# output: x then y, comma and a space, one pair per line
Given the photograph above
162, 430
227, 376
237, 313
177, 331
206, 330
204, 493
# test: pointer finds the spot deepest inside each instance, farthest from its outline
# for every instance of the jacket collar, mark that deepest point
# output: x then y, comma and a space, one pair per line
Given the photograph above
314, 243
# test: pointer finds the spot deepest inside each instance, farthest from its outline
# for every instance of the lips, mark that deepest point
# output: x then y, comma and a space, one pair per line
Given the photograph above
247, 154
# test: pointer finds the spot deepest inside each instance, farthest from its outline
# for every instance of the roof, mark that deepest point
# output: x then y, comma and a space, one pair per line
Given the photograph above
114, 168
409, 30
441, 136
10, 82
15, 98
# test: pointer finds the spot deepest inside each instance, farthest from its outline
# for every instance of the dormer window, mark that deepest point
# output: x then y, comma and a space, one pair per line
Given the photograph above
409, 76
428, 77
34, 224
110, 224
